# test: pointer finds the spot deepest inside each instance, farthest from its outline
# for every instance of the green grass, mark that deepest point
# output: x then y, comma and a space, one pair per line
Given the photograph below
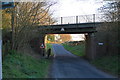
48, 45
108, 64
78, 50
23, 66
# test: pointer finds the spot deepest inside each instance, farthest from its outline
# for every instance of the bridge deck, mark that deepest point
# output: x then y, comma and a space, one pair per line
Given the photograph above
71, 28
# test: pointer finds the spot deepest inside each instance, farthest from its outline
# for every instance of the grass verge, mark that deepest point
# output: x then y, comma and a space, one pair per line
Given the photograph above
17, 65
78, 50
49, 46
108, 64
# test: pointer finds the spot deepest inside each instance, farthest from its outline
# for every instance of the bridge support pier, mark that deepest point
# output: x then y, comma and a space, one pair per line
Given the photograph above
90, 46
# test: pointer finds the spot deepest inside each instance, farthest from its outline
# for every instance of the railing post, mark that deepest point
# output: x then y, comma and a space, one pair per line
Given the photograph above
61, 20
93, 17
76, 19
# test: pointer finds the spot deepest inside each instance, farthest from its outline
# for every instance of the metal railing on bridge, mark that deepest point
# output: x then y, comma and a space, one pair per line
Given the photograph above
79, 19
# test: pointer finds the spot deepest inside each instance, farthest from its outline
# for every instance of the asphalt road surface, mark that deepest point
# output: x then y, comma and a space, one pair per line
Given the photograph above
67, 65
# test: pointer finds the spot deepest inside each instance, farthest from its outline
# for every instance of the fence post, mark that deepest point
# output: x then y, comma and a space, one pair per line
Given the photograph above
13, 27
76, 19
61, 20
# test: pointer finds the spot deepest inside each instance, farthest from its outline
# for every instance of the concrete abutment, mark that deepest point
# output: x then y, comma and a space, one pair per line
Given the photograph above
90, 50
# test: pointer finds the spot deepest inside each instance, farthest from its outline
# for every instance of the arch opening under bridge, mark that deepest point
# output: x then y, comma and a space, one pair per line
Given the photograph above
82, 28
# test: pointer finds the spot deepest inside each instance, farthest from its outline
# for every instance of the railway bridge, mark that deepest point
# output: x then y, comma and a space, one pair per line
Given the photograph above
87, 28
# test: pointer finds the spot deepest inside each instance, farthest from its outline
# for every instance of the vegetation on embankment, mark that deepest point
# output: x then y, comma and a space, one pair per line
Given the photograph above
77, 49
108, 64
18, 65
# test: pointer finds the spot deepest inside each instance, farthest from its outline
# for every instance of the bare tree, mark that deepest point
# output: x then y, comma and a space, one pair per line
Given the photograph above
108, 32
27, 16
111, 11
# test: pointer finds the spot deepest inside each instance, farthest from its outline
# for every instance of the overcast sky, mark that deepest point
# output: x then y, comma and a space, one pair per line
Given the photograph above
76, 7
